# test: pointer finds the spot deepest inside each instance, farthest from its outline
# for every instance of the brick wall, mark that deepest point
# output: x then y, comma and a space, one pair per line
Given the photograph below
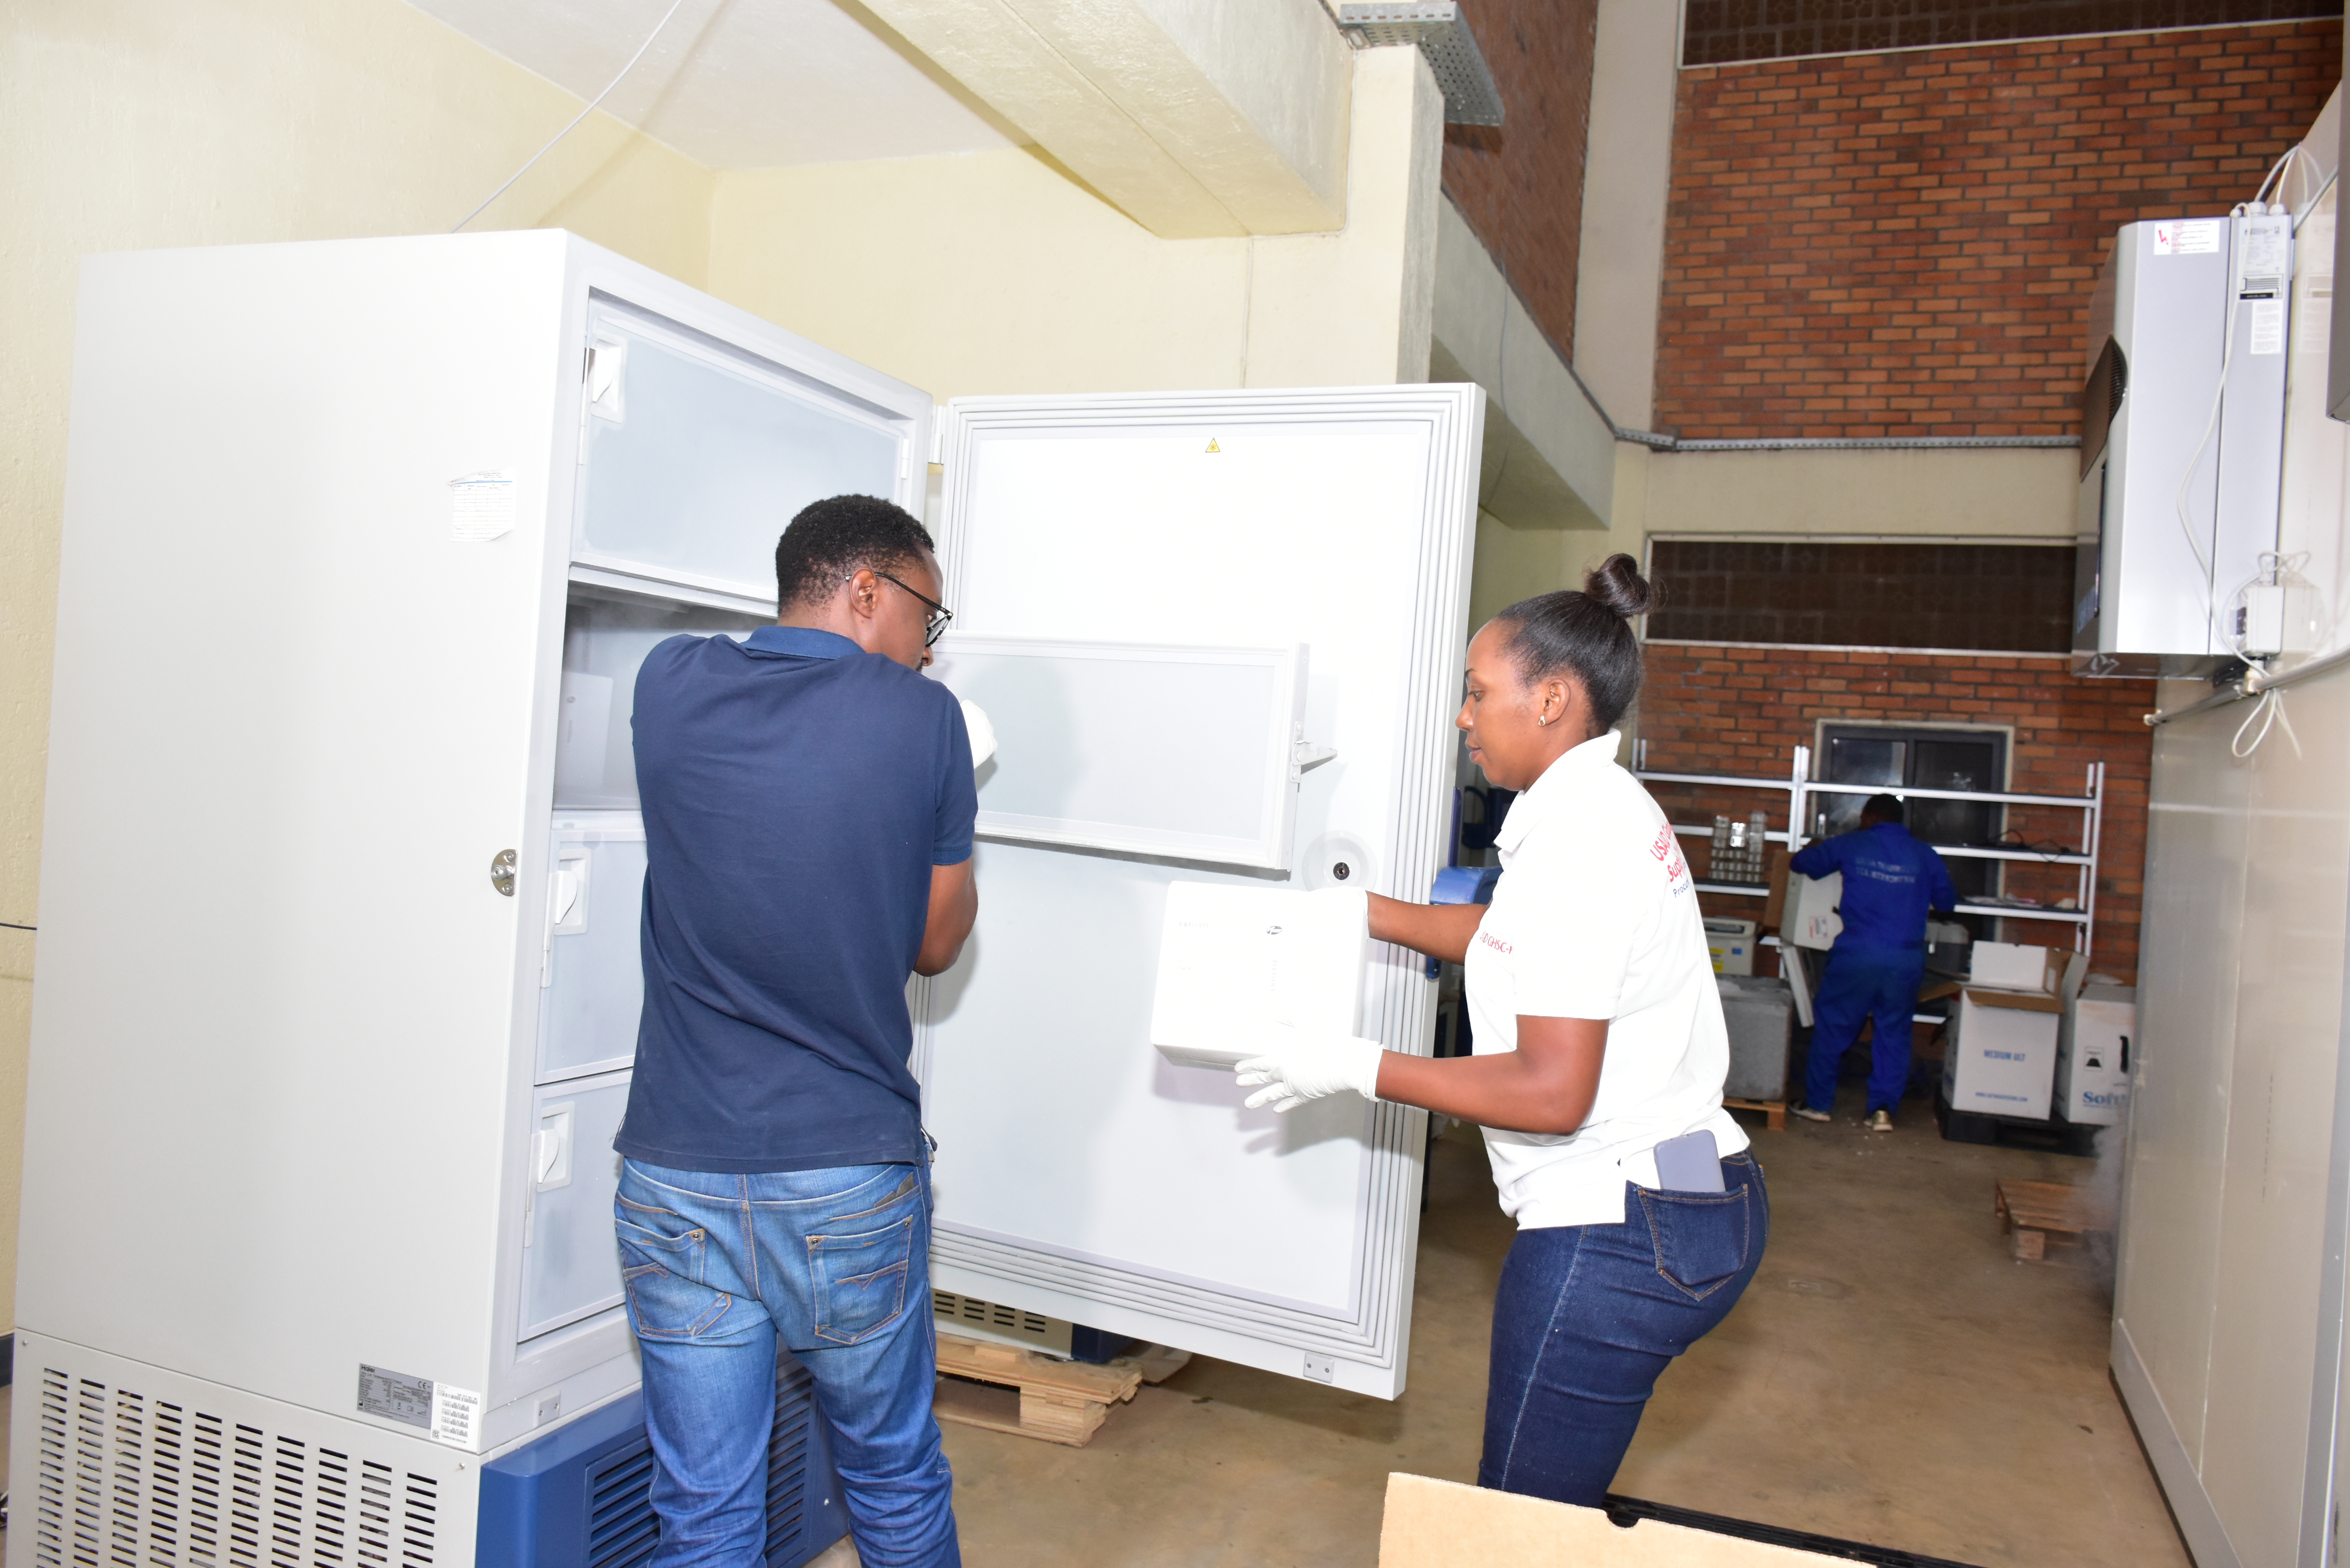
1716, 31
1741, 710
1904, 244
1519, 183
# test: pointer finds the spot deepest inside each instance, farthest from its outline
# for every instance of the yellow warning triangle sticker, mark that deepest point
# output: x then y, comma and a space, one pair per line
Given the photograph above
1212, 446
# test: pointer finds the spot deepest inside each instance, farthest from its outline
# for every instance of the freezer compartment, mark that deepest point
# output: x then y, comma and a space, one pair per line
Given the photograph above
591, 969
696, 453
571, 1261
1088, 757
607, 633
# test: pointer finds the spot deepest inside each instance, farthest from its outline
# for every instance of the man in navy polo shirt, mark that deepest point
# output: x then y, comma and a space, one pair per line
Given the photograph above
808, 804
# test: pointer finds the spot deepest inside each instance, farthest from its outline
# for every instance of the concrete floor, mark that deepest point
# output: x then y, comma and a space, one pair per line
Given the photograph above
1892, 1377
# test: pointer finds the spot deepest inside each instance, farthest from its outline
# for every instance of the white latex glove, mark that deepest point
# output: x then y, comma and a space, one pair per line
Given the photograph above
1310, 1067
982, 734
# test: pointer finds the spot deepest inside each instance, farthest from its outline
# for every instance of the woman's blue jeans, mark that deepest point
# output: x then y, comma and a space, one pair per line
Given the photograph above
1588, 1315
836, 1263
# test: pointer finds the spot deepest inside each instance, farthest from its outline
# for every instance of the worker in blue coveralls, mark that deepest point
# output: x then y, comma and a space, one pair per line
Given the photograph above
1891, 882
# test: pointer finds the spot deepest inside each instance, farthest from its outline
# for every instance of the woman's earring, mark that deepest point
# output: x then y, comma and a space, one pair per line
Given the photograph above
1542, 719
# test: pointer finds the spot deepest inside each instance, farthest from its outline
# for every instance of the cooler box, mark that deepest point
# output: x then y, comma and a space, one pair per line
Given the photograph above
1731, 943
1760, 1013
2093, 1055
2002, 1056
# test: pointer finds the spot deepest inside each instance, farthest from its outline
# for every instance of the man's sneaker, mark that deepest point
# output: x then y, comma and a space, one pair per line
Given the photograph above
1882, 1121
1808, 1113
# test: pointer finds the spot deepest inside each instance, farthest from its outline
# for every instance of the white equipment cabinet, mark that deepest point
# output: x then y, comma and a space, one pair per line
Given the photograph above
337, 974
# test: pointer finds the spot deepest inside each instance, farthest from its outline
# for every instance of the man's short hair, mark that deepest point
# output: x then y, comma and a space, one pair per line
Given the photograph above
832, 540
1882, 808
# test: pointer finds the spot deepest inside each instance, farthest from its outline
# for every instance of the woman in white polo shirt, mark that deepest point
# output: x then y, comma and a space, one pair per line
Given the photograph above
1598, 1038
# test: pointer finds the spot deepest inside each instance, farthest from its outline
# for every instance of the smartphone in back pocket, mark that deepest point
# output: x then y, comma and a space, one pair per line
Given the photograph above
1689, 1163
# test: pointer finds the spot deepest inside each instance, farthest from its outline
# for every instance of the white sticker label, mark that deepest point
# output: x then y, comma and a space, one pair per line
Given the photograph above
2197, 237
2268, 326
456, 1417
481, 506
2266, 243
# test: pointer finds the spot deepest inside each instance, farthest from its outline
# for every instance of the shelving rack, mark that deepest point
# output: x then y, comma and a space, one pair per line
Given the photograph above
1799, 786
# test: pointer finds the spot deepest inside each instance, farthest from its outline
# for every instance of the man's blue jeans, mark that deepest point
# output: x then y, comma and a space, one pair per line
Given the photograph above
1859, 985
1587, 1316
836, 1264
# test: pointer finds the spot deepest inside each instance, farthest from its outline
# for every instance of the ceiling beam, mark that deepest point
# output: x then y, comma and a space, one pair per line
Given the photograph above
1196, 118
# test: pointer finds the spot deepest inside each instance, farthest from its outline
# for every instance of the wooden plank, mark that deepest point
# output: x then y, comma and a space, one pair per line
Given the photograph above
1028, 1394
1774, 1112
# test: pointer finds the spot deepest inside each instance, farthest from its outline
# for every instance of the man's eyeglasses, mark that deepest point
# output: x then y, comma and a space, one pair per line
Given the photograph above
934, 624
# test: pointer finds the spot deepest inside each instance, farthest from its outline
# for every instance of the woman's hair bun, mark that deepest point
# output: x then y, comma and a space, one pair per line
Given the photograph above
1617, 584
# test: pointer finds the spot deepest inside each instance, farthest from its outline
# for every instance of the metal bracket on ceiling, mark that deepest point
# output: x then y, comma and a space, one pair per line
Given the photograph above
1436, 25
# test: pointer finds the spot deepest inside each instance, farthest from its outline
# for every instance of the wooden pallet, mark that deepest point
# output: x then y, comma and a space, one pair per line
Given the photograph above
2034, 1212
1010, 1389
1774, 1112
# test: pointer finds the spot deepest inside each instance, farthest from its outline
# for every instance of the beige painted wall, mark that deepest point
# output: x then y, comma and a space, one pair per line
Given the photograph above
131, 124
1992, 493
993, 272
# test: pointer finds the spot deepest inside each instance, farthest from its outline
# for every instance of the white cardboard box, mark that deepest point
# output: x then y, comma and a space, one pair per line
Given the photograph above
2010, 966
1810, 920
2093, 1055
2002, 1056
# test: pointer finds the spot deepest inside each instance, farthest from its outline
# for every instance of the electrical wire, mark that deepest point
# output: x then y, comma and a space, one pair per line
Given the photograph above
583, 114
15, 926
2267, 712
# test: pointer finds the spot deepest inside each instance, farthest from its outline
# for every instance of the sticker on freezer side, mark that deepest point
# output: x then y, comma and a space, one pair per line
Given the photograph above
395, 1396
2268, 326
2197, 238
481, 506
456, 1415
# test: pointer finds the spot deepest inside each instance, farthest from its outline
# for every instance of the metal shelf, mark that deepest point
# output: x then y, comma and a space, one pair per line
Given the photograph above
2010, 912
1797, 785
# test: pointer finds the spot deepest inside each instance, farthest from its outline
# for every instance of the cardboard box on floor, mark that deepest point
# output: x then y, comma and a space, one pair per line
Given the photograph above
1443, 1524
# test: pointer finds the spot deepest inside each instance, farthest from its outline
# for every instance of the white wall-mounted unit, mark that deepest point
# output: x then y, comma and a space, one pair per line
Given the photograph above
2179, 478
364, 542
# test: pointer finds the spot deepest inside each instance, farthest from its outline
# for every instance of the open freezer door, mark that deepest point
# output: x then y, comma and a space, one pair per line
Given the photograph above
1166, 548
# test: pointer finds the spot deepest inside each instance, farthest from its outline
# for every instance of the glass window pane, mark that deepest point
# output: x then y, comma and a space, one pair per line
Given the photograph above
606, 636
697, 459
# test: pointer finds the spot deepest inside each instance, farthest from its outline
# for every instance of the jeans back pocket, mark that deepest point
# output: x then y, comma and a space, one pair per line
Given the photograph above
860, 1281
1701, 1241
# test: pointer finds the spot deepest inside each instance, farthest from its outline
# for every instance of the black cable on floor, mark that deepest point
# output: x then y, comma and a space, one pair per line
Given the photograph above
1625, 1511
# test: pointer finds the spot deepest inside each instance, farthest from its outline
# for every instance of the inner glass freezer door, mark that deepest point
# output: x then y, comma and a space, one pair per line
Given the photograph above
571, 1264
606, 635
696, 453
591, 976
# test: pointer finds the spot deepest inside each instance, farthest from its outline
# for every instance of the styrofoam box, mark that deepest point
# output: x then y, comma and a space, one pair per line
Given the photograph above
2002, 1057
2010, 966
1760, 1017
1732, 945
2092, 1051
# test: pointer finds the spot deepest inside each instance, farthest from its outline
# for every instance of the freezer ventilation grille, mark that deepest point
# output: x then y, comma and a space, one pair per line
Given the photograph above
126, 1482
951, 1309
622, 1529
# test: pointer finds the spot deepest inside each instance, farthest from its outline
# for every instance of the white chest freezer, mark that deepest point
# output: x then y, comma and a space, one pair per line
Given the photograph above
338, 984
